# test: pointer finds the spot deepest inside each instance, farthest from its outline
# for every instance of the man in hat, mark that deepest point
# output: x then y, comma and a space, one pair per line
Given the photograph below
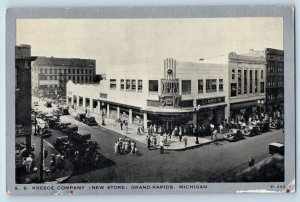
28, 164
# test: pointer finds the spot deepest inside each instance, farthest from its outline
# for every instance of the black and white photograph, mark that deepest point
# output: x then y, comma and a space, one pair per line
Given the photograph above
160, 104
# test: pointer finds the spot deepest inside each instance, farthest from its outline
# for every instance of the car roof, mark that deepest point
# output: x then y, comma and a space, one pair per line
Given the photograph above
83, 132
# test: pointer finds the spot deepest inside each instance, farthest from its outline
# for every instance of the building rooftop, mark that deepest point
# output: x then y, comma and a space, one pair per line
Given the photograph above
53, 61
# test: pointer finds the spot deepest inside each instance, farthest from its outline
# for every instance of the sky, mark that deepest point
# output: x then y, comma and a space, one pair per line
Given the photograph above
134, 41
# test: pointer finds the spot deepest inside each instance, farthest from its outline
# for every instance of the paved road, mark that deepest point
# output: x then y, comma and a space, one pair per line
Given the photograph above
209, 163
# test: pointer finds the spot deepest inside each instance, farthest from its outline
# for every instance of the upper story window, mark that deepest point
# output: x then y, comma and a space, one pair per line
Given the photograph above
200, 86
262, 87
140, 85
221, 85
153, 85
122, 84
50, 71
262, 74
55, 71
186, 86
133, 84
45, 71
233, 74
211, 85
127, 84
113, 84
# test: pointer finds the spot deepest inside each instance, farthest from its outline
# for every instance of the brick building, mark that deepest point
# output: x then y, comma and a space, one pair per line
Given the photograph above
50, 75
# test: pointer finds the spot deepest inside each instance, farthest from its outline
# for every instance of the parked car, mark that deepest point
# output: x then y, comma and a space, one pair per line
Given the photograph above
264, 126
63, 126
251, 131
234, 135
70, 130
276, 147
91, 121
80, 117
47, 133
82, 136
62, 143
275, 124
65, 111
52, 122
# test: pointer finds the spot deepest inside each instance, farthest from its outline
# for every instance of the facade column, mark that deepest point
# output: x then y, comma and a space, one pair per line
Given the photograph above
118, 112
72, 100
83, 103
91, 105
145, 122
227, 111
130, 116
99, 106
107, 110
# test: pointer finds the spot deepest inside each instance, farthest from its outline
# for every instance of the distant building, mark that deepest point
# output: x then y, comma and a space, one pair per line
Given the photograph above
23, 61
50, 75
247, 78
165, 93
275, 80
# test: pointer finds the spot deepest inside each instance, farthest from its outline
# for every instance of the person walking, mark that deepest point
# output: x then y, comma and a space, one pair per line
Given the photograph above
148, 143
121, 125
185, 139
161, 144
132, 145
116, 147
180, 135
138, 130
126, 126
28, 164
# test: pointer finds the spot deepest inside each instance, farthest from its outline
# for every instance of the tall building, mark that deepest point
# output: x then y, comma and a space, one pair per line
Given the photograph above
166, 93
275, 80
23, 61
50, 75
247, 78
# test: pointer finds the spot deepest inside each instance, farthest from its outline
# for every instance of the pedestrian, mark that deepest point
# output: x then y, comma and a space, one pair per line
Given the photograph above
34, 176
121, 124
126, 126
161, 144
127, 146
136, 151
185, 139
116, 147
180, 135
215, 134
148, 143
123, 146
132, 147
29, 161
138, 130
221, 128
251, 161
45, 152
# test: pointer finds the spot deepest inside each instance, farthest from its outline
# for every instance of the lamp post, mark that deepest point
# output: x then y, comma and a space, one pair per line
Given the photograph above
197, 109
260, 104
42, 155
103, 114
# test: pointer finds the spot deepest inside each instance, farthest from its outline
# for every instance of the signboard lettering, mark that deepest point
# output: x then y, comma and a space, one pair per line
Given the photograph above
211, 101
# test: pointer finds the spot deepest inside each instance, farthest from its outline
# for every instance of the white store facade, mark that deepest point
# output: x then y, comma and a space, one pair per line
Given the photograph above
166, 93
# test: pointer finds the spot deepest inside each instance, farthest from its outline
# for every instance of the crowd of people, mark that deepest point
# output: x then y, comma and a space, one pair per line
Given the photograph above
125, 146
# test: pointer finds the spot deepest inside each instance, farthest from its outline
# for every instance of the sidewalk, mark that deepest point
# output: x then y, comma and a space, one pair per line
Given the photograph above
174, 144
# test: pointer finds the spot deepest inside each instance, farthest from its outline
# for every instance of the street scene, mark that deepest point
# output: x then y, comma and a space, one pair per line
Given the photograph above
126, 117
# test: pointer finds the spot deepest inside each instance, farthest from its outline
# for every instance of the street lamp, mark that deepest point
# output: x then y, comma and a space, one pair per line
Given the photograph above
260, 104
42, 154
197, 110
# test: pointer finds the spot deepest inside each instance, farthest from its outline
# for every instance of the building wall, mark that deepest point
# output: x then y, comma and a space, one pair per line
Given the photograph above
50, 75
275, 80
240, 88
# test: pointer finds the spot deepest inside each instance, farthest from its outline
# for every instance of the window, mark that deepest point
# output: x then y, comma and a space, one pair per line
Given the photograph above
239, 82
113, 83
256, 82
55, 71
77, 71
220, 85
55, 77
45, 71
262, 74
153, 85
122, 84
73, 71
69, 70
50, 71
50, 78
233, 89
140, 85
211, 85
251, 81
127, 84
245, 81
186, 87
200, 86
233, 74
133, 85
262, 87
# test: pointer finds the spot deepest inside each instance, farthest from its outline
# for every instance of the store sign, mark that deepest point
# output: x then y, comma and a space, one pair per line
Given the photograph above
211, 101
170, 101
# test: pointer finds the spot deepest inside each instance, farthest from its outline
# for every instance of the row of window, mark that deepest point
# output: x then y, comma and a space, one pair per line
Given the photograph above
233, 74
128, 84
67, 78
274, 95
132, 84
275, 67
236, 89
275, 80
66, 71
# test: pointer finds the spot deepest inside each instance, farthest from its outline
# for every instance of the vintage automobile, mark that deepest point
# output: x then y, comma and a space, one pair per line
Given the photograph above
276, 147
46, 133
91, 121
65, 111
251, 130
276, 124
63, 126
263, 126
53, 122
80, 117
62, 143
70, 130
81, 136
233, 135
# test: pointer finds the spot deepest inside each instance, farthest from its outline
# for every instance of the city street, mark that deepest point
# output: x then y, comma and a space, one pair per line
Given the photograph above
209, 163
